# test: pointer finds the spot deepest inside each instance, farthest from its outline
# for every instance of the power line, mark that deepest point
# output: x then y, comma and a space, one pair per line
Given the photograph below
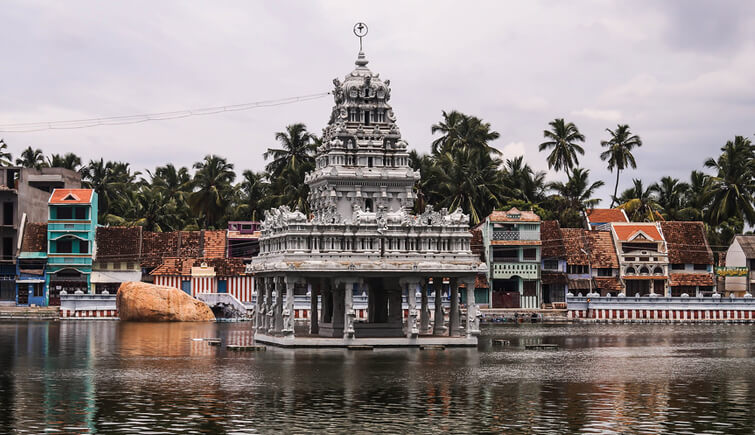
28, 127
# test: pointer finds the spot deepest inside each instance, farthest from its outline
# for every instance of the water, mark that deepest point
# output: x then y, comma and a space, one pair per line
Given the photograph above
110, 377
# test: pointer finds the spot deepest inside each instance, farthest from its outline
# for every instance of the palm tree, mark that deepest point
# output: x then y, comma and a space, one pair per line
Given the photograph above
297, 149
68, 161
562, 139
671, 194
111, 180
640, 203
619, 152
6, 159
463, 131
468, 179
255, 189
733, 186
422, 163
31, 158
212, 189
697, 198
524, 184
578, 191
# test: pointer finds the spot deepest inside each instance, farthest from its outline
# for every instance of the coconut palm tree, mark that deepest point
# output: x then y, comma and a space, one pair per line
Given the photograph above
619, 152
640, 203
733, 186
68, 161
31, 158
562, 140
522, 182
255, 190
463, 131
697, 198
212, 189
422, 163
112, 181
578, 191
671, 194
6, 159
297, 149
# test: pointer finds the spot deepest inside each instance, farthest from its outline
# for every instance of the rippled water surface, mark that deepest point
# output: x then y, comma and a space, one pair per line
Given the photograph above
103, 376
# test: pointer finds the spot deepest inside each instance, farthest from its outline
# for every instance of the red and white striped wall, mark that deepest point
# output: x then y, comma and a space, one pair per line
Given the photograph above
89, 314
203, 284
168, 281
663, 315
241, 287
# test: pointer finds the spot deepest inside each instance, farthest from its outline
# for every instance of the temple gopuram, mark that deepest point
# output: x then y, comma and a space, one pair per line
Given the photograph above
362, 240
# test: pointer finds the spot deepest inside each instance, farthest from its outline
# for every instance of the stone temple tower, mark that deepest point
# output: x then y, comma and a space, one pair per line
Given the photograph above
363, 163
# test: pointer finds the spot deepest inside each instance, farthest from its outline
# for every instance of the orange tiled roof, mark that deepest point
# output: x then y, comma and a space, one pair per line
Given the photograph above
505, 216
687, 243
602, 251
574, 243
173, 266
608, 284
78, 196
553, 243
605, 215
35, 238
626, 232
691, 279
214, 244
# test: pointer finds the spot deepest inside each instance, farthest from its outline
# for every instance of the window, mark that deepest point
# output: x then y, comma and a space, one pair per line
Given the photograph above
81, 213
644, 270
701, 267
550, 264
677, 266
83, 247
367, 116
577, 269
368, 204
8, 213
369, 162
65, 213
39, 289
605, 271
64, 246
658, 270
529, 254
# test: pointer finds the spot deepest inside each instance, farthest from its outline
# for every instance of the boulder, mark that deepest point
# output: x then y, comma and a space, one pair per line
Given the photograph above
143, 302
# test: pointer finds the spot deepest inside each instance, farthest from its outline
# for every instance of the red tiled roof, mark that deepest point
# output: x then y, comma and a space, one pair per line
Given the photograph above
605, 215
691, 279
553, 278
523, 216
608, 284
35, 238
553, 243
626, 232
687, 243
481, 281
214, 244
77, 196
173, 266
602, 251
476, 244
118, 244
574, 244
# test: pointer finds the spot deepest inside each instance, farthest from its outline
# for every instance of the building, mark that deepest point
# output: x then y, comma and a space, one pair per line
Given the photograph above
117, 259
604, 263
513, 245
578, 267
690, 259
601, 218
71, 228
24, 193
206, 275
553, 276
739, 273
363, 239
643, 257
31, 266
243, 239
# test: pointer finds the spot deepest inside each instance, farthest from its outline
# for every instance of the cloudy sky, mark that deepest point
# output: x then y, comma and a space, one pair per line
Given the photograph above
680, 73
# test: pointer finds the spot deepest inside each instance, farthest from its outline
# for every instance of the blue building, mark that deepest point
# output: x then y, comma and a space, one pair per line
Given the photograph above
31, 264
71, 229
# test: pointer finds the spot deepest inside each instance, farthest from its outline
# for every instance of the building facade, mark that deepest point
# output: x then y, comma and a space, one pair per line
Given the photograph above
512, 240
739, 273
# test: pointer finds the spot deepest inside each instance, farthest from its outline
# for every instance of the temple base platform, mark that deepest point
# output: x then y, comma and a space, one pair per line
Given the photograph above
313, 341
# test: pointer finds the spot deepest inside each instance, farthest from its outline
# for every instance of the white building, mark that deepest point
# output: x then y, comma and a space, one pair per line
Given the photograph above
741, 254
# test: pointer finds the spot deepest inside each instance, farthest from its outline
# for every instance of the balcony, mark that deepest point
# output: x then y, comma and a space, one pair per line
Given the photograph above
522, 270
512, 235
69, 261
58, 226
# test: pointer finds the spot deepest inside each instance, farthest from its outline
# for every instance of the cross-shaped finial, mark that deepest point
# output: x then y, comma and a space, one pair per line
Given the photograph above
360, 29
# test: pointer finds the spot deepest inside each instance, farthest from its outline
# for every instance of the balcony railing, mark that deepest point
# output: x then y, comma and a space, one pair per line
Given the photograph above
522, 270
69, 261
516, 235
68, 227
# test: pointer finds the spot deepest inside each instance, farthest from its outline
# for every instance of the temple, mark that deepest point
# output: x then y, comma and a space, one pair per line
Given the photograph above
362, 242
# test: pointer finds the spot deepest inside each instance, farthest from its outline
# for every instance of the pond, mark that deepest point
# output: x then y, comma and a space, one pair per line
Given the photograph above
110, 376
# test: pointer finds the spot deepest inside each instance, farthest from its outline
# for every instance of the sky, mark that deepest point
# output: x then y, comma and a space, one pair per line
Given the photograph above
680, 73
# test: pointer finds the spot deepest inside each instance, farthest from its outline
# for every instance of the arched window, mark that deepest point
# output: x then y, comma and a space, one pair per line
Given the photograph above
658, 270
368, 204
629, 271
644, 270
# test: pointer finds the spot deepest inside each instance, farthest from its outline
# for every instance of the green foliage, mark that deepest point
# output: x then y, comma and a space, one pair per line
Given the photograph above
562, 140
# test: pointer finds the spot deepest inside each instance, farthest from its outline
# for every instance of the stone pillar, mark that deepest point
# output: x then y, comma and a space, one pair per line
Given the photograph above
314, 291
288, 313
411, 285
453, 317
438, 324
473, 312
270, 305
279, 288
261, 309
424, 311
347, 314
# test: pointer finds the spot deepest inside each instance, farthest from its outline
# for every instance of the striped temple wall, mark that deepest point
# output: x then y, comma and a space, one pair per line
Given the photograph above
241, 287
661, 309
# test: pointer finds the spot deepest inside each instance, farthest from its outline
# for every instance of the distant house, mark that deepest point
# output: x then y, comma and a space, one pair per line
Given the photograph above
604, 263
70, 241
243, 239
578, 269
553, 264
512, 242
741, 255
599, 218
690, 259
643, 257
117, 258
31, 265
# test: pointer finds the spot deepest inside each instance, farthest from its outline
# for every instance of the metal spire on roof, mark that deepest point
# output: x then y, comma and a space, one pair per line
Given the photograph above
360, 29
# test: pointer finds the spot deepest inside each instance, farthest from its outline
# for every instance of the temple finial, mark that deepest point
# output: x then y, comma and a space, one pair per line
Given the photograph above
360, 29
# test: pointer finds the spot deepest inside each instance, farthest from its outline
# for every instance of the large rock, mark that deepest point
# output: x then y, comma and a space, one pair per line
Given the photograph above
139, 301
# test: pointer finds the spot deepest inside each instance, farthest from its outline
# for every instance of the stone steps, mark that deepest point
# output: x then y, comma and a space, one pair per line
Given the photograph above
29, 312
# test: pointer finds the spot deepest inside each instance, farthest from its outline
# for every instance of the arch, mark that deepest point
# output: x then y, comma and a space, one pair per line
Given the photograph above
658, 270
69, 272
644, 270
630, 271
368, 205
